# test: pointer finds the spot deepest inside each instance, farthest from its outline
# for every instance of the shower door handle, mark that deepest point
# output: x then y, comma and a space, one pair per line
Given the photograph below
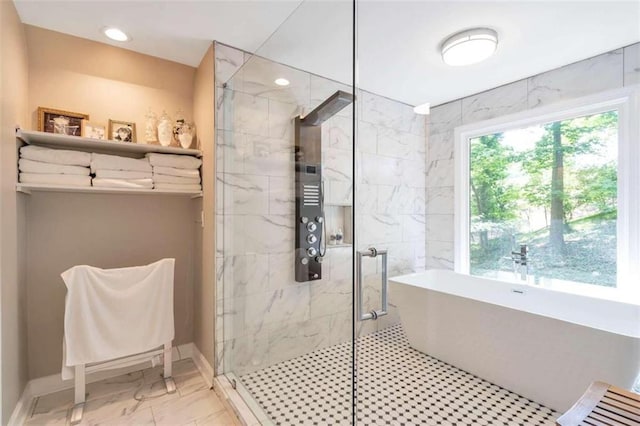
375, 314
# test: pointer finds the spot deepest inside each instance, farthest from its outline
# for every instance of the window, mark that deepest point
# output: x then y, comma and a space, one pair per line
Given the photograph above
561, 182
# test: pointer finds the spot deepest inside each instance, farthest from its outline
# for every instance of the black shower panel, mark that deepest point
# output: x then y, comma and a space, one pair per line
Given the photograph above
310, 237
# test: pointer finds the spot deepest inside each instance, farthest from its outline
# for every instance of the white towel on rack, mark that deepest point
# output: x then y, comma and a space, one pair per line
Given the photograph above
112, 313
55, 156
157, 178
173, 171
122, 174
30, 166
177, 187
123, 183
55, 179
115, 162
176, 161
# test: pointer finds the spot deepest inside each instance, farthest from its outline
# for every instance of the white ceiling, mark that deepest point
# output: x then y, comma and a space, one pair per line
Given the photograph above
398, 41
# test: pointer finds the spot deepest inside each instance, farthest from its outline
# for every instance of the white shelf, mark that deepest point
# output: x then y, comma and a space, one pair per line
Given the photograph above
78, 143
338, 245
28, 188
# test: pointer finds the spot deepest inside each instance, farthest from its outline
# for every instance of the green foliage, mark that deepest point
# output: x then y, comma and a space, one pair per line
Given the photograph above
585, 195
492, 198
597, 187
581, 135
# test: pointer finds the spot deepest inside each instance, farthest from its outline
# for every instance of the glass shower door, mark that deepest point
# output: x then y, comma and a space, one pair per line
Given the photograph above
284, 205
392, 382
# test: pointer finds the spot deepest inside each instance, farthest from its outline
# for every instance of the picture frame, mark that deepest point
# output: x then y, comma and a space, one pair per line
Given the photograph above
93, 131
122, 131
66, 122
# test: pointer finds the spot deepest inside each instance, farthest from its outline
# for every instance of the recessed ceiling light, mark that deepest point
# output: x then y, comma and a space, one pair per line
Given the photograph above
469, 47
423, 109
116, 34
281, 82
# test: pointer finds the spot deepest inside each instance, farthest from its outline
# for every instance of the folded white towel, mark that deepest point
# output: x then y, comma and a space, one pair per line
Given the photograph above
177, 187
55, 156
172, 171
122, 174
55, 179
114, 162
157, 178
31, 166
123, 183
177, 161
112, 313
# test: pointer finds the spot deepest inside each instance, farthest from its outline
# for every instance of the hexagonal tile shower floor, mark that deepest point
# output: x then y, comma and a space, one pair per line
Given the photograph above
397, 385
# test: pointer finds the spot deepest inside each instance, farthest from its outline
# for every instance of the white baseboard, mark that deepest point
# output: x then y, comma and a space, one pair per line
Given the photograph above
54, 383
22, 409
203, 365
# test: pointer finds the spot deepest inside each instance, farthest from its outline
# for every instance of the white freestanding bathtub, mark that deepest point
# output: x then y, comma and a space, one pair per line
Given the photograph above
545, 345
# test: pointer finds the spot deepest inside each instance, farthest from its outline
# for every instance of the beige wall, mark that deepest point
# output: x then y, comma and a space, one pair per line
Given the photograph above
102, 230
107, 82
107, 231
203, 107
13, 110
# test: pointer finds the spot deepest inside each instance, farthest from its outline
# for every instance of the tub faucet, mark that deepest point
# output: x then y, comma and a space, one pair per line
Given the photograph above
520, 261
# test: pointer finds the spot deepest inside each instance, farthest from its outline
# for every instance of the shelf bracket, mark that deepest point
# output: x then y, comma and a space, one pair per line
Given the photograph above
23, 190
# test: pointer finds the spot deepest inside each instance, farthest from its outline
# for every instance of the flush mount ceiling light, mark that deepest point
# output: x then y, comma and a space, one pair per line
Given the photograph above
281, 82
115, 34
469, 47
423, 109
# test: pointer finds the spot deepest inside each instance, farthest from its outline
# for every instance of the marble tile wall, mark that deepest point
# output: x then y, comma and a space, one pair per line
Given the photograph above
264, 315
618, 68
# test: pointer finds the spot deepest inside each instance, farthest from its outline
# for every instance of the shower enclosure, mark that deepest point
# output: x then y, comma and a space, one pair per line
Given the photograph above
316, 180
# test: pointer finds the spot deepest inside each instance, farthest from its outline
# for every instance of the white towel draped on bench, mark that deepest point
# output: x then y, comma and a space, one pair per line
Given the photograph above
113, 313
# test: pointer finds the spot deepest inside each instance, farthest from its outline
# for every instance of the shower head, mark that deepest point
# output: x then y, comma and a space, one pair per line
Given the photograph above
328, 108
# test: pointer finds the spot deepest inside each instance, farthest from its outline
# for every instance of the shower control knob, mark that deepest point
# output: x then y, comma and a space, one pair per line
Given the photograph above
319, 259
304, 219
312, 239
311, 226
312, 251
319, 219
304, 261
315, 275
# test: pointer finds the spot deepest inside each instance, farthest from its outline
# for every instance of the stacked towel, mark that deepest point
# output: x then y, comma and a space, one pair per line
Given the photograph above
54, 166
175, 172
112, 171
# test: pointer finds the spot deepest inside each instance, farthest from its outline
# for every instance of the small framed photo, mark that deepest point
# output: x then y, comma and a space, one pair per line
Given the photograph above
122, 131
93, 131
58, 121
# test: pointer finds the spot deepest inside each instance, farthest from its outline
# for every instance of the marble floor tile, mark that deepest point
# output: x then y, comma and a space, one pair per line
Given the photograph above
53, 417
114, 385
139, 398
189, 384
198, 405
180, 368
141, 417
54, 402
117, 407
154, 393
221, 418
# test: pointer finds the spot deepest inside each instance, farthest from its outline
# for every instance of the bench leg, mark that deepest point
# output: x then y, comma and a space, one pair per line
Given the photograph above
79, 398
168, 365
